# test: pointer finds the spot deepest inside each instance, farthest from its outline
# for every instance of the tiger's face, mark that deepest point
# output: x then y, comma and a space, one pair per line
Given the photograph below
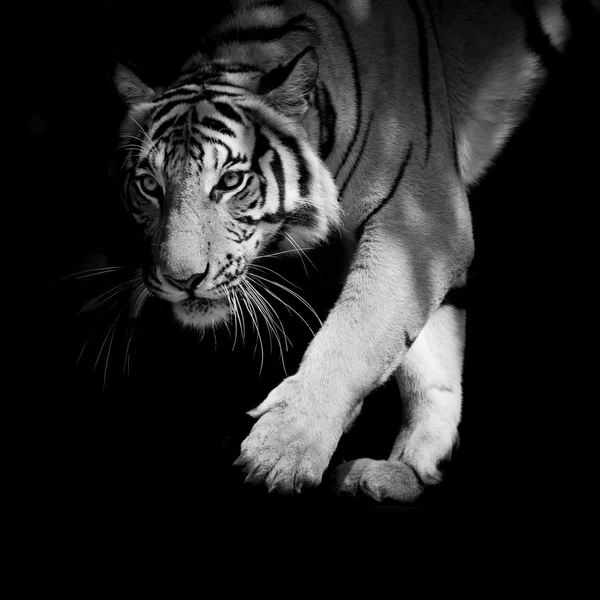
216, 176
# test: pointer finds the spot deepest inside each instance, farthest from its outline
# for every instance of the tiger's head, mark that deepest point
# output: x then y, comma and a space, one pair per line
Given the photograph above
217, 170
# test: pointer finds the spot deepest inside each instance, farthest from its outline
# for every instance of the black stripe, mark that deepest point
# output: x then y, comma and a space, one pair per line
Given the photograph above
360, 153
291, 144
439, 48
212, 140
327, 119
243, 194
305, 216
408, 341
179, 91
455, 152
211, 93
402, 169
433, 26
217, 80
246, 220
236, 160
229, 112
424, 58
163, 111
255, 201
316, 98
162, 128
278, 173
261, 146
355, 79
266, 34
217, 126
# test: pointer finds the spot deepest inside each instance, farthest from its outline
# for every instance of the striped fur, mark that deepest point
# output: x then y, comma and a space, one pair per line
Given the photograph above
380, 115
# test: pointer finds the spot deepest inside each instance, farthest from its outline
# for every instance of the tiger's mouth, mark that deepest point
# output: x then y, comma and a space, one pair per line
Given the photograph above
201, 313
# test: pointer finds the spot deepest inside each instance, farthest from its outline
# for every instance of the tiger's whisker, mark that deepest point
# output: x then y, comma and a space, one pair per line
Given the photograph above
144, 132
111, 293
272, 312
252, 313
111, 331
301, 253
288, 306
295, 250
263, 268
268, 313
139, 297
289, 291
106, 313
260, 309
88, 273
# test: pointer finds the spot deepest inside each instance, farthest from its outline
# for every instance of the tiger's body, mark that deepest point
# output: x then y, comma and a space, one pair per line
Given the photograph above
300, 118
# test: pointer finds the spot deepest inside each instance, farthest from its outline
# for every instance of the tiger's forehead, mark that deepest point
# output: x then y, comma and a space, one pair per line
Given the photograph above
187, 130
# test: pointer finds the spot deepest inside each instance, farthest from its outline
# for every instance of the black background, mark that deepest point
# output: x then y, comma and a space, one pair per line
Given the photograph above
158, 444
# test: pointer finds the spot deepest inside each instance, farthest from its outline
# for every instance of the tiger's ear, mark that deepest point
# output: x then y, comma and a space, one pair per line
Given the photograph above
130, 87
287, 87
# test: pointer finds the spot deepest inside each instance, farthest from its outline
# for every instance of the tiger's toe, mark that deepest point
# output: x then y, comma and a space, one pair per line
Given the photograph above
346, 477
378, 479
391, 480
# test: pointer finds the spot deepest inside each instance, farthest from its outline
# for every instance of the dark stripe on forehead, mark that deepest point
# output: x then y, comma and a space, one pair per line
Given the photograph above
211, 93
216, 126
229, 112
180, 91
217, 141
163, 111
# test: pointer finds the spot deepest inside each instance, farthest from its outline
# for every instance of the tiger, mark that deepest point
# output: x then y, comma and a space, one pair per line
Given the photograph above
373, 119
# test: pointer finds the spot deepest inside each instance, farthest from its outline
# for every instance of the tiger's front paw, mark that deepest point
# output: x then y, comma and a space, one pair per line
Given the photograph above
291, 444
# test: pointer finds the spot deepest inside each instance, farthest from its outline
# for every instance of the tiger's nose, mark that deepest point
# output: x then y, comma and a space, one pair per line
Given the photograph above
190, 284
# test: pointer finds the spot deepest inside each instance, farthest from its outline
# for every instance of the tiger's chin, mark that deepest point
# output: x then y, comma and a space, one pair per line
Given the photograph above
201, 314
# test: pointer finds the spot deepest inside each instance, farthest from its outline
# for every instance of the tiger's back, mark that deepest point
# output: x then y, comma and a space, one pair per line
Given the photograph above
456, 76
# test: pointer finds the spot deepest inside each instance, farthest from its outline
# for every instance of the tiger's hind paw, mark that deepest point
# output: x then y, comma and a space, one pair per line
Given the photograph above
378, 479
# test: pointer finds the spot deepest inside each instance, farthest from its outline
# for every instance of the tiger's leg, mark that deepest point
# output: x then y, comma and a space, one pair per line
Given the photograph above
410, 250
429, 379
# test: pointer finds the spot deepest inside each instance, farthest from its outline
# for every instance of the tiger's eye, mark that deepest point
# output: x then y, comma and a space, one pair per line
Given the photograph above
149, 184
231, 180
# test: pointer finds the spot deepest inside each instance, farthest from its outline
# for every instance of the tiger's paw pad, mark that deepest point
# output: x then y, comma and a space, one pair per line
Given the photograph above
378, 479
